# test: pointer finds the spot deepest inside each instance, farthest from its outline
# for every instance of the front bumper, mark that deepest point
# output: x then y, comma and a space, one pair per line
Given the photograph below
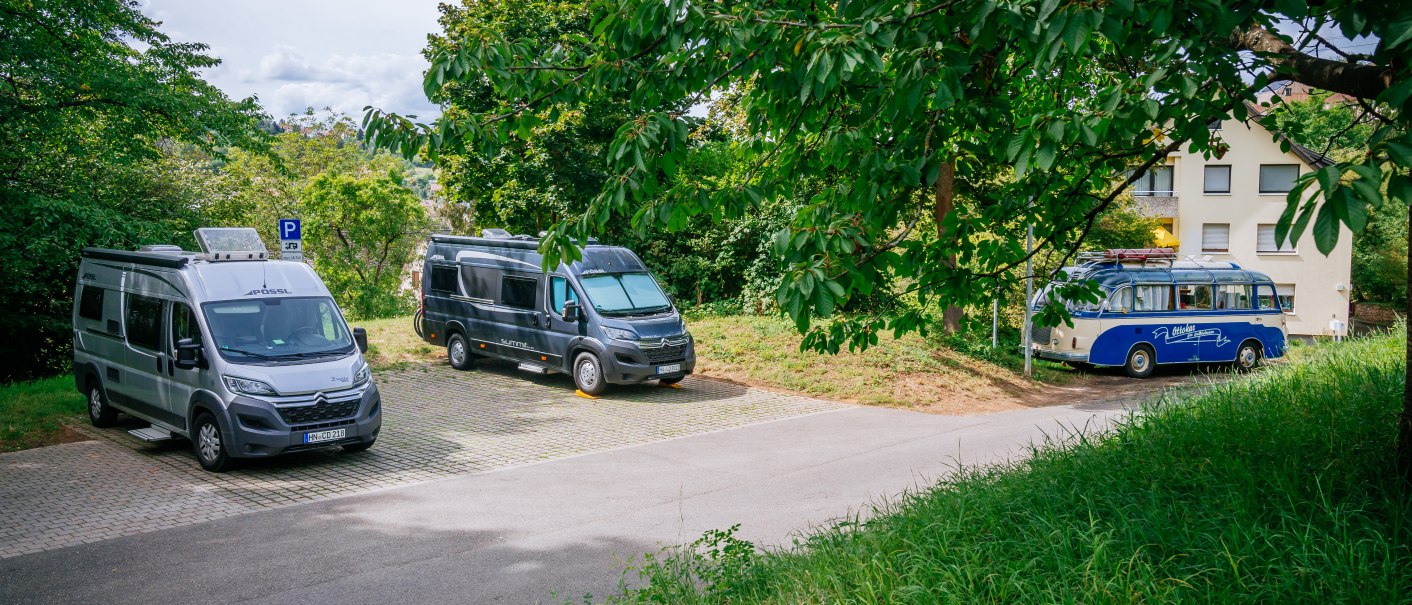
1069, 356
626, 363
257, 429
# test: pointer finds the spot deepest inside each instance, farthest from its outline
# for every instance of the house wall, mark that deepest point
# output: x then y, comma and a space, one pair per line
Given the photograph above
1316, 278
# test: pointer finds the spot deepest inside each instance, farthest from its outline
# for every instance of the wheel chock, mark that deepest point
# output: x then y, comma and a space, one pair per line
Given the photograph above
674, 385
584, 395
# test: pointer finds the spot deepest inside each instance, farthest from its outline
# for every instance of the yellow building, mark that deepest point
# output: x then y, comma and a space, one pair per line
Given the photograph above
1226, 208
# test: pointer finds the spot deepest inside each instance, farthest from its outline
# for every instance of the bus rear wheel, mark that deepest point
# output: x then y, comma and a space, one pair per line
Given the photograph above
1141, 362
1248, 357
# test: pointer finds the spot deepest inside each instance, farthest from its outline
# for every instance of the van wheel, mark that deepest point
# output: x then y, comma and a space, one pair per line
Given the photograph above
588, 374
1141, 362
99, 412
1248, 357
459, 353
208, 445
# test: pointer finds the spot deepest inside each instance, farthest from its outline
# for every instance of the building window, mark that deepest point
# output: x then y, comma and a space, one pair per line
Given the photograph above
1285, 292
517, 292
1278, 178
1157, 181
90, 303
143, 323
1194, 297
1265, 242
1216, 237
1218, 179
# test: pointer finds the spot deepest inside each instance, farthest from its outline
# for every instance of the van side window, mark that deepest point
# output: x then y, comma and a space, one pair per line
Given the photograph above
560, 292
90, 303
1233, 296
184, 324
443, 279
143, 322
1194, 297
1152, 297
517, 292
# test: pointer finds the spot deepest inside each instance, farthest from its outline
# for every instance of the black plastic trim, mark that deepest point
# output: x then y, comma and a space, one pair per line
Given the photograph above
155, 259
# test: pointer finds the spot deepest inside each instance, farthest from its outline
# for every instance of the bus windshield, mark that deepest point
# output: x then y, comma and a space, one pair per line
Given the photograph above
621, 294
277, 329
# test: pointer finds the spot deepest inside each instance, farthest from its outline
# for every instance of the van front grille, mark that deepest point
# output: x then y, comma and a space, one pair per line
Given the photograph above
667, 353
319, 412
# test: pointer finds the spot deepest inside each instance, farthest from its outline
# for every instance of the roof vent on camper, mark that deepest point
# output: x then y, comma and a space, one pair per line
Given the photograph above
231, 243
495, 233
162, 248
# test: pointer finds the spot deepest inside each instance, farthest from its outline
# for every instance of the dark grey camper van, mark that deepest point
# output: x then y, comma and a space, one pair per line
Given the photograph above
603, 320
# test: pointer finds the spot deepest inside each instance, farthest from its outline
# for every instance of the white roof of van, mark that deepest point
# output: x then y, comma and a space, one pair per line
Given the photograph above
236, 280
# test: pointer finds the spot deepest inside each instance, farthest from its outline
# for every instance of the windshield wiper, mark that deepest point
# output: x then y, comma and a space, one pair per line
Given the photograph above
250, 353
305, 354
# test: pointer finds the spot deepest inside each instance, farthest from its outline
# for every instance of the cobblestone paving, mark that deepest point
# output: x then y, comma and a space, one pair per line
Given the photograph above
437, 423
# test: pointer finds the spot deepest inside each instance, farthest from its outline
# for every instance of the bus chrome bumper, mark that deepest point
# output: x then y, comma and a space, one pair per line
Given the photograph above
1070, 356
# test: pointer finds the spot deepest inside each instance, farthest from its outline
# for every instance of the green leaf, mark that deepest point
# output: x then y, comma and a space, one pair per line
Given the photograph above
1326, 228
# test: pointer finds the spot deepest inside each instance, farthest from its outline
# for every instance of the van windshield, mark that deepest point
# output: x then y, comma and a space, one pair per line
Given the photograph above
277, 328
624, 294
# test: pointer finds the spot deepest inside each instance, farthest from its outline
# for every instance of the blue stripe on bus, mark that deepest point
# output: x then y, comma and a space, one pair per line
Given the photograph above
1185, 342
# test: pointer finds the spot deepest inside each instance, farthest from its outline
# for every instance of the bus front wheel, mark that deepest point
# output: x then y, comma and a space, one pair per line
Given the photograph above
1248, 357
1141, 362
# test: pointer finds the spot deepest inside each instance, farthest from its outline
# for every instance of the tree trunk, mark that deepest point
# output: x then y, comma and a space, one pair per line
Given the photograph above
945, 202
1404, 421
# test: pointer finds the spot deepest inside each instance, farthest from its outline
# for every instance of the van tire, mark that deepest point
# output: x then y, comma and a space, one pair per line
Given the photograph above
1141, 362
1248, 356
100, 413
458, 352
588, 374
209, 444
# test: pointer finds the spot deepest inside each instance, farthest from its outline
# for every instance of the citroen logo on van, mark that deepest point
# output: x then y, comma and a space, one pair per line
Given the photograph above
320, 399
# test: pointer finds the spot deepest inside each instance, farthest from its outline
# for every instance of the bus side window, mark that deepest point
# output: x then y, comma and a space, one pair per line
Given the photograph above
1266, 297
1233, 296
1152, 297
1194, 297
1119, 301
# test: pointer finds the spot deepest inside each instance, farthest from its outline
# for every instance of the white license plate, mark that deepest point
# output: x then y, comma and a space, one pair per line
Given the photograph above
331, 435
676, 367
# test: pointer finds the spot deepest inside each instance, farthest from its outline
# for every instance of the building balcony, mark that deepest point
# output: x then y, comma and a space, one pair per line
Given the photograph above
1157, 206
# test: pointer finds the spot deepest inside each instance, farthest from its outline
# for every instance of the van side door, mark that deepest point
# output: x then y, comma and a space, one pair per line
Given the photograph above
521, 334
145, 362
181, 383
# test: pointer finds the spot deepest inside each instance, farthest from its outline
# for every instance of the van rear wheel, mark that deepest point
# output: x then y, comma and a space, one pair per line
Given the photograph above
458, 352
1248, 357
588, 374
1141, 362
99, 412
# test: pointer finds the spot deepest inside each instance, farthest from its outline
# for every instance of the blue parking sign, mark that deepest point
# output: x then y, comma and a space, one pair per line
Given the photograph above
289, 229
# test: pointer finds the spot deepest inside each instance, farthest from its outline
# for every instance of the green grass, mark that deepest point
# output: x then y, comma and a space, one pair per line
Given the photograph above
1276, 488
32, 413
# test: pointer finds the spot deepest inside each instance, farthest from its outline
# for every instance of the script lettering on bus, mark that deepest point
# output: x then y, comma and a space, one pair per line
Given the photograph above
1189, 333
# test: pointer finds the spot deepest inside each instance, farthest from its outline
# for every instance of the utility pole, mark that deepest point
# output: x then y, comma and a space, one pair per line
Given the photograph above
995, 320
1029, 297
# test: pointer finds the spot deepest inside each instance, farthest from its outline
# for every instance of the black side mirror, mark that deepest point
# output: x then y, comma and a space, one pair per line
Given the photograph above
360, 336
571, 311
188, 354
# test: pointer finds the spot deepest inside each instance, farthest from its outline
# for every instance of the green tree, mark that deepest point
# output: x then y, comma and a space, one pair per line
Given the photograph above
361, 231
92, 98
918, 106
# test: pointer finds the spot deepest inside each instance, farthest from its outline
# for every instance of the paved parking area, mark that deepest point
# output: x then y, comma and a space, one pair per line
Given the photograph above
437, 423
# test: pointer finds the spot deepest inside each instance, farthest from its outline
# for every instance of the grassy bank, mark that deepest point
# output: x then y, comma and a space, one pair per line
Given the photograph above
33, 413
1272, 489
907, 372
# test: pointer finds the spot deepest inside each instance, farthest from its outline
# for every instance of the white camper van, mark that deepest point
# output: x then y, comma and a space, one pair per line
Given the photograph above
247, 357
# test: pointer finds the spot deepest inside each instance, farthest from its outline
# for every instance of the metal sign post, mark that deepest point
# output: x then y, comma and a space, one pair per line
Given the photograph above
291, 240
1029, 296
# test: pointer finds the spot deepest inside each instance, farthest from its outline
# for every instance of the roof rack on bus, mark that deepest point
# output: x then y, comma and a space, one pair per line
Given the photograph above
1143, 256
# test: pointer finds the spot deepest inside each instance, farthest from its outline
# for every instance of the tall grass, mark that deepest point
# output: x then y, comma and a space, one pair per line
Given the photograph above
31, 413
1277, 488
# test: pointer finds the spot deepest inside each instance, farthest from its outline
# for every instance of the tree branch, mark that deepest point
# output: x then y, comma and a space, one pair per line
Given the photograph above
1353, 79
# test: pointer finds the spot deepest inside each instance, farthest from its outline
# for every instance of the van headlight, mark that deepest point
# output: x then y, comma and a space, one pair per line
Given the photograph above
361, 377
247, 386
617, 334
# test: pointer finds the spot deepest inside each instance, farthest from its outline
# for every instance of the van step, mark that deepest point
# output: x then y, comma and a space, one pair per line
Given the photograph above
151, 434
536, 368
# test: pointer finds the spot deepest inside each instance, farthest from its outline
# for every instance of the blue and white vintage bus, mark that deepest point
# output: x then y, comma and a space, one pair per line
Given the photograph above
1160, 309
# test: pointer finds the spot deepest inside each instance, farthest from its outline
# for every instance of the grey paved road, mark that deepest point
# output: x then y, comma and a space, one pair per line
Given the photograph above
539, 533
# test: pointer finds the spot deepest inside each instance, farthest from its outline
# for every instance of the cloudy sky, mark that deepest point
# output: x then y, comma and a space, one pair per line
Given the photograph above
293, 54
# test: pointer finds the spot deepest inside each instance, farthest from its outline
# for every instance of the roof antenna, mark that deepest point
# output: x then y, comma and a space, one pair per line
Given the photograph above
263, 285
